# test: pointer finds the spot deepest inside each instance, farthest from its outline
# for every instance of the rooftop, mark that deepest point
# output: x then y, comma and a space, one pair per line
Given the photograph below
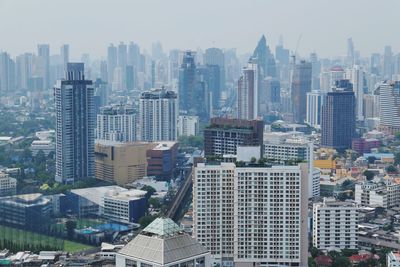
163, 242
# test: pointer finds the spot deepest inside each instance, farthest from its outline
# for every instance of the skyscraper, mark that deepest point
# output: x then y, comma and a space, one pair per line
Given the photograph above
158, 115
271, 95
187, 82
74, 125
215, 56
24, 65
390, 107
7, 73
264, 58
388, 63
301, 85
247, 96
111, 62
43, 63
64, 53
338, 120
357, 79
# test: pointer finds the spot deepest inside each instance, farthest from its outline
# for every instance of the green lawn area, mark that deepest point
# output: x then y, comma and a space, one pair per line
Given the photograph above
23, 237
75, 247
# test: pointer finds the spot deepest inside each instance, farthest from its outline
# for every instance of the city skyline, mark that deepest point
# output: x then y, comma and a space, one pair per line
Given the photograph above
167, 22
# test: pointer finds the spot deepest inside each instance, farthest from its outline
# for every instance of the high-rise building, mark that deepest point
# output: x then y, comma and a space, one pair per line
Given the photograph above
350, 52
158, 115
24, 68
388, 63
112, 60
270, 95
390, 107
224, 135
8, 185
335, 225
229, 214
74, 125
371, 106
316, 71
338, 121
301, 85
215, 56
315, 100
329, 78
188, 125
187, 82
247, 96
122, 62
43, 63
116, 123
64, 53
357, 79
7, 73
264, 59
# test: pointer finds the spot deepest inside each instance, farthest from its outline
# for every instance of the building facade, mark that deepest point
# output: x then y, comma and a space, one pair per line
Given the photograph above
116, 123
301, 85
229, 207
338, 121
248, 93
315, 100
120, 163
224, 135
389, 107
335, 225
74, 126
8, 185
158, 115
188, 125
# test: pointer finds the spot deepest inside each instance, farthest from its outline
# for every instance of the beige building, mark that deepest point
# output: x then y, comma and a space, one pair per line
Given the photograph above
121, 163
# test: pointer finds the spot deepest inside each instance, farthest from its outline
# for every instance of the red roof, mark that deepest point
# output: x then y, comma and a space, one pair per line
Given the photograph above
359, 258
323, 260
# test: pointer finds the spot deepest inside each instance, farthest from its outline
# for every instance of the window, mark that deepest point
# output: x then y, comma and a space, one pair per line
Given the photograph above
130, 263
145, 265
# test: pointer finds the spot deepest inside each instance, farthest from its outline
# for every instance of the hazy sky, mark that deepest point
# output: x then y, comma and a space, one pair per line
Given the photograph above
90, 25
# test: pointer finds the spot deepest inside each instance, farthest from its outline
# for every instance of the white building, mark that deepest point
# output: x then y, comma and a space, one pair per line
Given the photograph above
383, 194
240, 215
188, 125
393, 259
117, 205
8, 185
163, 244
158, 115
389, 107
357, 79
47, 146
315, 101
116, 123
293, 146
335, 225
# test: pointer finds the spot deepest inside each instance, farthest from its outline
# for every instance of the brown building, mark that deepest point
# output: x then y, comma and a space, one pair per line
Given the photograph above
224, 135
121, 163
161, 158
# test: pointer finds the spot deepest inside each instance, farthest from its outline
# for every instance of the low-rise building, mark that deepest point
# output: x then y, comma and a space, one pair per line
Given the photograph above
385, 194
47, 146
8, 185
334, 225
120, 163
113, 202
161, 158
188, 125
28, 211
163, 244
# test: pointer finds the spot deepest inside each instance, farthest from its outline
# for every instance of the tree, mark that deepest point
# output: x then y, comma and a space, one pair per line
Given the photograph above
155, 203
311, 262
391, 169
149, 189
371, 159
70, 225
397, 158
314, 252
369, 175
341, 261
147, 219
